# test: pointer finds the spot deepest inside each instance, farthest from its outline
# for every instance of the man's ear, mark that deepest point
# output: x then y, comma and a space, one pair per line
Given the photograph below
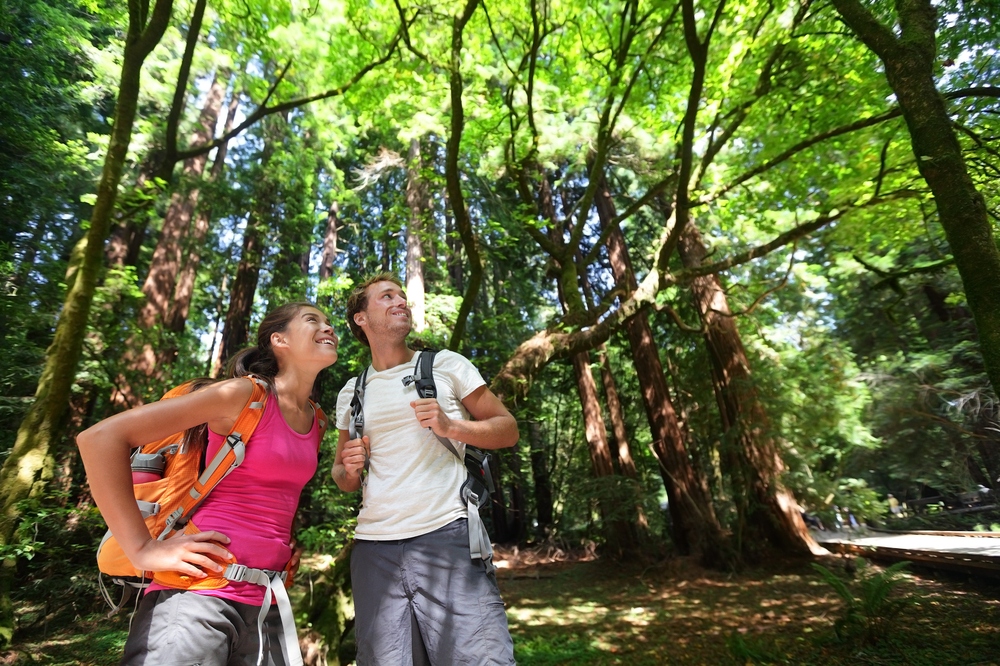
360, 319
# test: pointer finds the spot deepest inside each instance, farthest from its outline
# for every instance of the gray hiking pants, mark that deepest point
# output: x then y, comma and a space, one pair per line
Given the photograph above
178, 628
425, 601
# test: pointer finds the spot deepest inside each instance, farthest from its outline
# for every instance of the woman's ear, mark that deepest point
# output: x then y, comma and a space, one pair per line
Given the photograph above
278, 340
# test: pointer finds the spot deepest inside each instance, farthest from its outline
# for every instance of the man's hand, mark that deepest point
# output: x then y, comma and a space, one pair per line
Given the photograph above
355, 453
189, 554
430, 415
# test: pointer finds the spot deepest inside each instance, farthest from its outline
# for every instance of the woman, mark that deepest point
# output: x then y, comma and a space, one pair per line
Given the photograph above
247, 516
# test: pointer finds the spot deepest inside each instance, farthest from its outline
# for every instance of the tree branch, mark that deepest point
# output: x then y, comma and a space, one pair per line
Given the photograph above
264, 111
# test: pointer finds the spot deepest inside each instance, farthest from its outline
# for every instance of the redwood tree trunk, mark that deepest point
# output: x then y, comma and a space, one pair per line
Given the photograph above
184, 289
236, 329
696, 529
626, 465
754, 465
166, 261
620, 538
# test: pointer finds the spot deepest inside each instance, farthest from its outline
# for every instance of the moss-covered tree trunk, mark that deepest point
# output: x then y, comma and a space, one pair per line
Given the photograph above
909, 60
39, 434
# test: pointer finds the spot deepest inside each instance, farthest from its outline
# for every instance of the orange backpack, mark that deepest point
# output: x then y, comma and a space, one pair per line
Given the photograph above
168, 503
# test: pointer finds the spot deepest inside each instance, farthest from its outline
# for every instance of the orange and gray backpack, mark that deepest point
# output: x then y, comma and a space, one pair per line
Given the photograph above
169, 485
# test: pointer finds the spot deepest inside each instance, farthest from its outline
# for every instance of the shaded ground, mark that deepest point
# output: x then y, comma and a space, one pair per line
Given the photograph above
580, 610
675, 613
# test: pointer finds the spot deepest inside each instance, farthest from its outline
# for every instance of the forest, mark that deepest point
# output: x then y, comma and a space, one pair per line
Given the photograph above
727, 262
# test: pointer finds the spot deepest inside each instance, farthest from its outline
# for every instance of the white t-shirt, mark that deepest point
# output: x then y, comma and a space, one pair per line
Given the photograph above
413, 480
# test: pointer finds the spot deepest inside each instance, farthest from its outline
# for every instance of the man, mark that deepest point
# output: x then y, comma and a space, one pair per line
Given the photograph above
419, 596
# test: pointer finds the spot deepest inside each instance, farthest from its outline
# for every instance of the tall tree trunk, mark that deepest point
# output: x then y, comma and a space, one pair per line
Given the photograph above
237, 327
165, 265
184, 290
417, 201
755, 466
330, 241
39, 433
909, 61
166, 262
542, 480
623, 452
453, 179
626, 465
619, 535
696, 529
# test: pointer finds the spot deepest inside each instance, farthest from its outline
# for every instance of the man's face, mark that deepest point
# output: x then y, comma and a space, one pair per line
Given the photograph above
387, 313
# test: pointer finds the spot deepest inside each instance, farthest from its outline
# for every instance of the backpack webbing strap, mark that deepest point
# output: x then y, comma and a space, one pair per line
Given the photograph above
356, 428
480, 547
229, 457
423, 377
273, 583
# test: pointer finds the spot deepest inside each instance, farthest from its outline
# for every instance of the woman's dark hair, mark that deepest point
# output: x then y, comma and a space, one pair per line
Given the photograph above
260, 359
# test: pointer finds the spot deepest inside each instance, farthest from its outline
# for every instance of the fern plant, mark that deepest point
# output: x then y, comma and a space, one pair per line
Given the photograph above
868, 613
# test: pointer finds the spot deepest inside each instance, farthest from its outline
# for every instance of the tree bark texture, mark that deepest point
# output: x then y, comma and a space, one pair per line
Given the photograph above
619, 535
184, 290
764, 504
330, 241
40, 433
623, 453
236, 329
696, 528
168, 254
909, 61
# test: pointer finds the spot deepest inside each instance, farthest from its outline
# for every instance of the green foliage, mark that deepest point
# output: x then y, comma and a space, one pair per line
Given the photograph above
54, 545
749, 650
870, 608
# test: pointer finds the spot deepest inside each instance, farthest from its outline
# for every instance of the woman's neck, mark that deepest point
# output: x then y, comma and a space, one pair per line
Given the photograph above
294, 385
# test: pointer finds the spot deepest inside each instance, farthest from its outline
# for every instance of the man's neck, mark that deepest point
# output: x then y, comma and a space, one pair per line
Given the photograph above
389, 354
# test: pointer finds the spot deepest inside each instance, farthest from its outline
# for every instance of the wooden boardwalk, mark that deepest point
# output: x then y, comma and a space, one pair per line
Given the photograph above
970, 552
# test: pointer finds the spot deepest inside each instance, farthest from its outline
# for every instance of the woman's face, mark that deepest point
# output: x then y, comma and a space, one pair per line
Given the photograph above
308, 338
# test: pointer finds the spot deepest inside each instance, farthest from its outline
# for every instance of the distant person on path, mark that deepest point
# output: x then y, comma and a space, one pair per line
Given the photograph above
838, 519
894, 508
419, 597
248, 515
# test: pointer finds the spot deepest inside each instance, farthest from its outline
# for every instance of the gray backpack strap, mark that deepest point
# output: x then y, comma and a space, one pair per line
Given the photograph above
475, 491
356, 427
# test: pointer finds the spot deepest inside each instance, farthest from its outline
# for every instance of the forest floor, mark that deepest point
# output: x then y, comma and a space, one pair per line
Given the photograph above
583, 610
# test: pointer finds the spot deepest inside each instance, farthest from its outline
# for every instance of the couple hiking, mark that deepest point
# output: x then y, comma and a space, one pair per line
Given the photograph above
419, 596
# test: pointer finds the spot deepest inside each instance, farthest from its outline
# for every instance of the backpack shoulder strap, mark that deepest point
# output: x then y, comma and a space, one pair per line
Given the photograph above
356, 428
229, 457
321, 418
423, 377
423, 374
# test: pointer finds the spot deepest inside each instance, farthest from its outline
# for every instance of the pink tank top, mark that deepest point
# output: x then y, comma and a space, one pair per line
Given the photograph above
255, 505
